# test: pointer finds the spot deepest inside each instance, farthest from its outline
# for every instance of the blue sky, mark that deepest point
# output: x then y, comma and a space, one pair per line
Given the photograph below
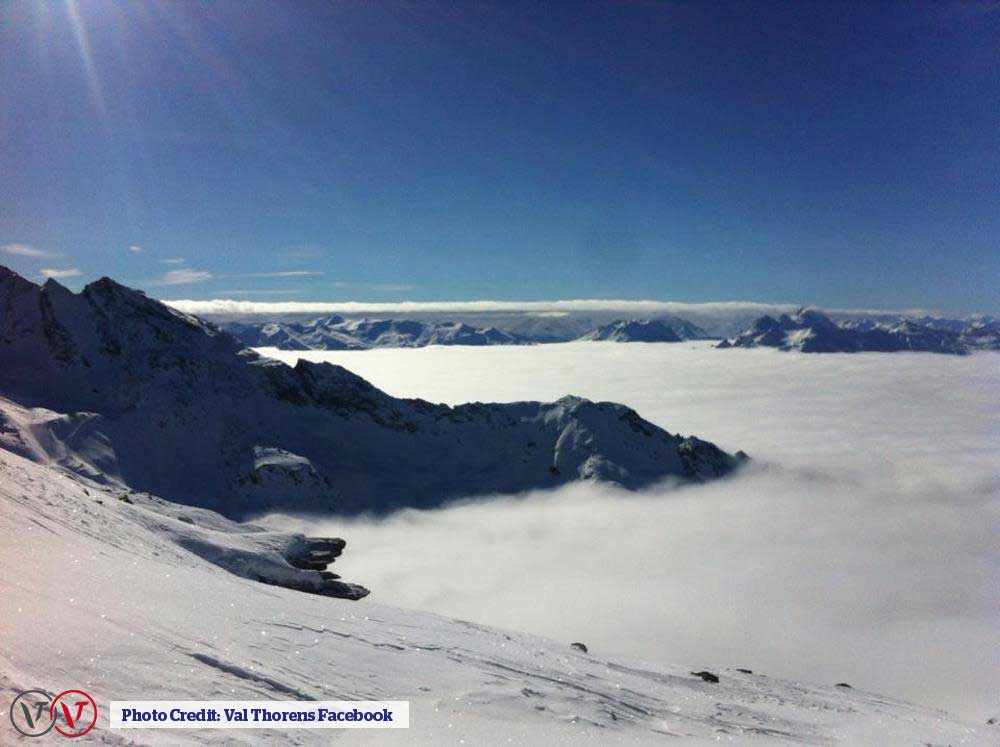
834, 153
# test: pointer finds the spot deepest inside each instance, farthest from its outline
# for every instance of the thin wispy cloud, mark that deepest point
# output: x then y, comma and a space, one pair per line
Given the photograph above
387, 287
172, 261
250, 292
24, 250
136, 249
58, 274
188, 276
634, 308
184, 277
299, 255
281, 274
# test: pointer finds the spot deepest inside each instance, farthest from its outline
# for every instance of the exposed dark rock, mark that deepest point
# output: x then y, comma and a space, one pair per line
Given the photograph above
706, 675
315, 554
844, 684
336, 589
579, 646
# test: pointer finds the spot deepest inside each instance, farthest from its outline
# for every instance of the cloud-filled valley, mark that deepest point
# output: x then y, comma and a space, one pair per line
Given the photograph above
860, 547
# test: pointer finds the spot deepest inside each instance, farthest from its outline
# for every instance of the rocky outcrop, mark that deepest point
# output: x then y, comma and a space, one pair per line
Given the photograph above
316, 554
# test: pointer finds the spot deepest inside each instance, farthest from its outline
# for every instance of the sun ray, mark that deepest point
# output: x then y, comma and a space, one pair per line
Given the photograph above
89, 65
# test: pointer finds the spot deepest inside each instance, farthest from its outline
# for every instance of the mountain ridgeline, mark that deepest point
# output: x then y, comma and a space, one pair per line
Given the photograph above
337, 333
634, 330
119, 388
809, 331
805, 330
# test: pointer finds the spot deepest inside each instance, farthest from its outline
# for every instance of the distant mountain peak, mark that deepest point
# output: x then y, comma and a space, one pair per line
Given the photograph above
633, 330
811, 331
646, 330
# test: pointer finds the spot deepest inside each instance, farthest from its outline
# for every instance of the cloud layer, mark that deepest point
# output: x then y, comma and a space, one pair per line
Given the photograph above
236, 307
57, 274
860, 548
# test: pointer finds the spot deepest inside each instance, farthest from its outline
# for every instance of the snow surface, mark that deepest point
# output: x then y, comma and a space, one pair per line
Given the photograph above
98, 594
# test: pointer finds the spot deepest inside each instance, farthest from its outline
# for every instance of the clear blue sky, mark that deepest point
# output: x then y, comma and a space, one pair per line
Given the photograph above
836, 153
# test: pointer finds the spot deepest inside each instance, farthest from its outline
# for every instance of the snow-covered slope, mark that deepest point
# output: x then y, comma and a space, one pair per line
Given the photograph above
318, 334
634, 330
165, 403
336, 333
117, 599
810, 331
981, 334
390, 333
684, 329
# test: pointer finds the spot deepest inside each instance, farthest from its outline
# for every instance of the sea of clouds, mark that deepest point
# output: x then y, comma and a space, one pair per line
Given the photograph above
861, 546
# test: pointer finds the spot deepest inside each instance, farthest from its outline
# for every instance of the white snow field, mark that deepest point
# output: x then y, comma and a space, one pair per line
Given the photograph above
862, 546
96, 594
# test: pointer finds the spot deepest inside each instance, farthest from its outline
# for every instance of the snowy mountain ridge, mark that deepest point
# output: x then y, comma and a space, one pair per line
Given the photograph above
810, 331
133, 389
337, 333
634, 330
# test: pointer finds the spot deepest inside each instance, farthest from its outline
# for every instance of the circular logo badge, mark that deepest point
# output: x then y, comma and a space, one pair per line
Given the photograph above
78, 711
30, 713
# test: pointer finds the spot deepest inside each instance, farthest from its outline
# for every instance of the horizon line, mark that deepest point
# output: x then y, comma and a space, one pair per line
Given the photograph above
246, 308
